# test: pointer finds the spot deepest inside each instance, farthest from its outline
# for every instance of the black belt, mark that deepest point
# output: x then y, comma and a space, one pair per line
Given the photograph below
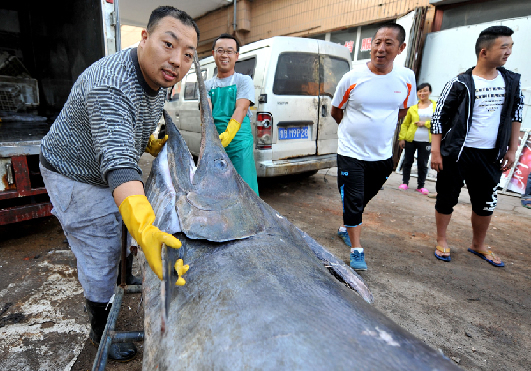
44, 162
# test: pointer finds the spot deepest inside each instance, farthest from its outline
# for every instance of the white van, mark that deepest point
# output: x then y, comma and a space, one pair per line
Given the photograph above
294, 80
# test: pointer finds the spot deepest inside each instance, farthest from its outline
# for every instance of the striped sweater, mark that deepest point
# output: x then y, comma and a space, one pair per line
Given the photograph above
105, 124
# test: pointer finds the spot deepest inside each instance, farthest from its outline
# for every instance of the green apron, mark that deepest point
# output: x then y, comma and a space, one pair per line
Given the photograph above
240, 149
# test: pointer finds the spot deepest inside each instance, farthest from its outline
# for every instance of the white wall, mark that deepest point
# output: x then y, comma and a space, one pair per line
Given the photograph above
448, 53
406, 22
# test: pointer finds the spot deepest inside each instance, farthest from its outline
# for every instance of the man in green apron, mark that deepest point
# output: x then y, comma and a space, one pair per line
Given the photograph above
230, 95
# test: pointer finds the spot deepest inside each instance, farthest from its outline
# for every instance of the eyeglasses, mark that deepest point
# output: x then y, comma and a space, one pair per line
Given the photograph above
222, 51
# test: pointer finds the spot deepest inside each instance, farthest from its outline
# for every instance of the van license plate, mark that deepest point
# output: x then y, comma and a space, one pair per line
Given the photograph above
300, 132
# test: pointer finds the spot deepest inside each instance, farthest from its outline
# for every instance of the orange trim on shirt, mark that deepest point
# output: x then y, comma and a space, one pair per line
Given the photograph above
408, 92
347, 95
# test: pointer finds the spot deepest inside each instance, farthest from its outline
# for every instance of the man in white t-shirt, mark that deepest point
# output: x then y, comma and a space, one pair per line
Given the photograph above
476, 147
367, 104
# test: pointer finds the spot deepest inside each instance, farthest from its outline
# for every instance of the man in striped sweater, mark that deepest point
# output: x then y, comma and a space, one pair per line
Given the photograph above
89, 158
475, 137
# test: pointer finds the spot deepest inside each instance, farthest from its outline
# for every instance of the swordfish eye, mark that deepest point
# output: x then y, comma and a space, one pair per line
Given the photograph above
220, 164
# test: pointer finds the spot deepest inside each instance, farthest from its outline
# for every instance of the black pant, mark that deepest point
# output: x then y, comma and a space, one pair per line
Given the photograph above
481, 173
423, 153
358, 182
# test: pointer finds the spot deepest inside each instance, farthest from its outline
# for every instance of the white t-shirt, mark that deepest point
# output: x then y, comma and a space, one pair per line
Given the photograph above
490, 95
422, 134
244, 87
371, 103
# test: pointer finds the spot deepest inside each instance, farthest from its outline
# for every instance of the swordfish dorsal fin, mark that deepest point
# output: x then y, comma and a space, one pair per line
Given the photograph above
220, 206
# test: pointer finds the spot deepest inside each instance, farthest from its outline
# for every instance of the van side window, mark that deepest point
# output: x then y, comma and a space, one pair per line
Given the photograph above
190, 91
174, 92
331, 71
297, 74
245, 67
191, 86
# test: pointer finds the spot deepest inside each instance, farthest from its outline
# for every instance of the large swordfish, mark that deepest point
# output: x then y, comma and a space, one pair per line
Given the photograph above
260, 293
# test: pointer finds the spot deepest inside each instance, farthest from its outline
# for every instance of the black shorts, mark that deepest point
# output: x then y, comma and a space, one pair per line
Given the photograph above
358, 182
481, 173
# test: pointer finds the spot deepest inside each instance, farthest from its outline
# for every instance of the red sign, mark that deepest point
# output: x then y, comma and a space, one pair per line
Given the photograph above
349, 45
518, 181
366, 44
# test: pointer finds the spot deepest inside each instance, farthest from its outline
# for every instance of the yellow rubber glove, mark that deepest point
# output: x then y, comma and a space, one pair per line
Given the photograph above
155, 145
181, 270
138, 216
228, 135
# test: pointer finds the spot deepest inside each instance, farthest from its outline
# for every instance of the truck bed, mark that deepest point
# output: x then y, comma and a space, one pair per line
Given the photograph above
19, 138
22, 131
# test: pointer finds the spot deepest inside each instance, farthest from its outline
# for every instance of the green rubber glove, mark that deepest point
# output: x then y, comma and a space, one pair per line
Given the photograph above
138, 216
155, 145
228, 135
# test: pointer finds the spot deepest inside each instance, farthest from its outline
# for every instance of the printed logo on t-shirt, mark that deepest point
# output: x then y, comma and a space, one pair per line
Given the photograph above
491, 98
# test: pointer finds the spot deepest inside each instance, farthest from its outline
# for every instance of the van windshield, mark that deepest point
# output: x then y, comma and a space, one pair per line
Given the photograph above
308, 74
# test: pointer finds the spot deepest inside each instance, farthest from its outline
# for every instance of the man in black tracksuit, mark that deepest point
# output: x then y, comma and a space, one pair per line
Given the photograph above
474, 138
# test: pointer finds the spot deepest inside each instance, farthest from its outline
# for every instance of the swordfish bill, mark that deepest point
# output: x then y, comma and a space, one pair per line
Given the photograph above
260, 293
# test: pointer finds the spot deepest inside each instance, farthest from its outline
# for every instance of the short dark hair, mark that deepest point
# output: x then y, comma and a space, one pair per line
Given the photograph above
394, 26
170, 11
226, 36
423, 85
488, 35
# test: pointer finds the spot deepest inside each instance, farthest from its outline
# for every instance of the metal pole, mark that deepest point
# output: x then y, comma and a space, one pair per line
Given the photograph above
234, 20
126, 336
109, 335
117, 31
101, 357
124, 257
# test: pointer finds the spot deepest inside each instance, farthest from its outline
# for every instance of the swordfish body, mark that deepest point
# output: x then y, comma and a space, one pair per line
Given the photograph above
260, 293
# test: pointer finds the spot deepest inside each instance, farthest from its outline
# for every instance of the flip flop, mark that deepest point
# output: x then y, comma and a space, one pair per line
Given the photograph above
443, 250
484, 257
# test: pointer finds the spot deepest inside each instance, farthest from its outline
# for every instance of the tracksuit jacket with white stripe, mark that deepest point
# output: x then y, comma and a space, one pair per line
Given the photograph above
453, 116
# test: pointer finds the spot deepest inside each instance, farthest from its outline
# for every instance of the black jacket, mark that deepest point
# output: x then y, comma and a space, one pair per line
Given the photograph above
453, 115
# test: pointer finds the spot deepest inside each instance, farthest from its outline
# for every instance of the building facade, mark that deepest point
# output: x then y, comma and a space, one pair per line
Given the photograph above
349, 22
